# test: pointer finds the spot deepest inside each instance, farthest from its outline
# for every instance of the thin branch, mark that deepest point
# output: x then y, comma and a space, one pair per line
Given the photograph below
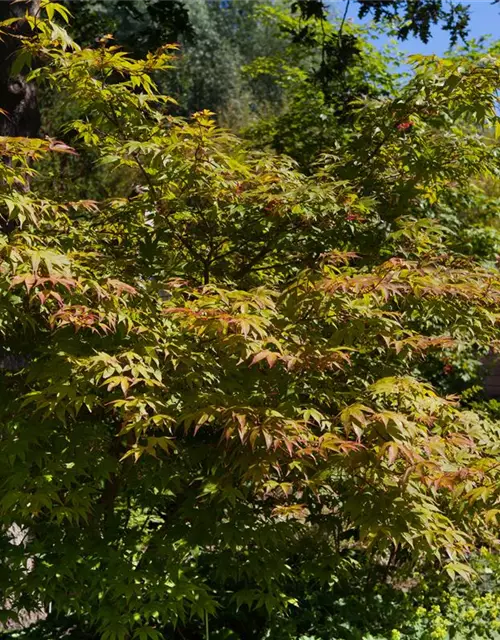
344, 17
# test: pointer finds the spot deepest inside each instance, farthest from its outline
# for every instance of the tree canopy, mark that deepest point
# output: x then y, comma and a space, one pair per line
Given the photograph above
240, 377
169, 17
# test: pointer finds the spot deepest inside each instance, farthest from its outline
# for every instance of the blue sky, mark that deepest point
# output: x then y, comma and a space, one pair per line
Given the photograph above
485, 20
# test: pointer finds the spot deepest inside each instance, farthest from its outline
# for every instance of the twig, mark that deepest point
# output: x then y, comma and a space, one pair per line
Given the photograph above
344, 17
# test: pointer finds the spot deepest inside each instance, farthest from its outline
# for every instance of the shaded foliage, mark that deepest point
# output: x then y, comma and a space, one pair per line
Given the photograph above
19, 115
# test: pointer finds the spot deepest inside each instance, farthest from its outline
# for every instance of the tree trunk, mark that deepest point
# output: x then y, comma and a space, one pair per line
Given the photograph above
19, 114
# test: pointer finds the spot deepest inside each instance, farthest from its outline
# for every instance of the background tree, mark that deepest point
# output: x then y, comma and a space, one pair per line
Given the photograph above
19, 115
218, 38
139, 25
155, 19
314, 96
